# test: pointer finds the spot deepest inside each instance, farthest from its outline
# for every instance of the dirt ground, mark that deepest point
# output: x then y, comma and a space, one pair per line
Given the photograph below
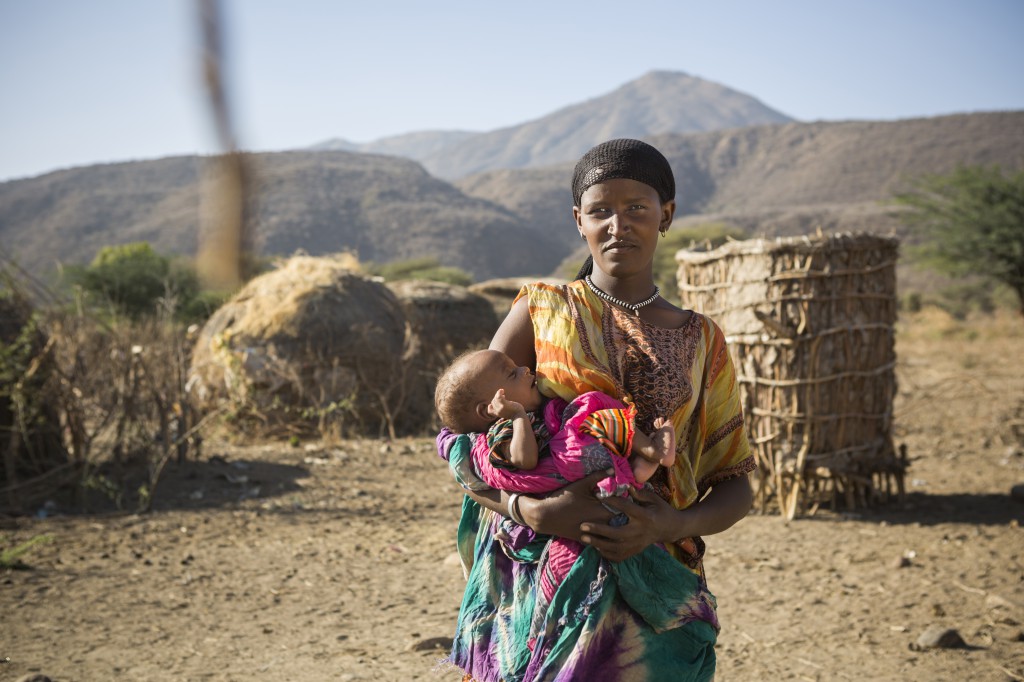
336, 562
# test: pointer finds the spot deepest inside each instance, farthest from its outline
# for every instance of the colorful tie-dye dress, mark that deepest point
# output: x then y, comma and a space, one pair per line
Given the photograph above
650, 617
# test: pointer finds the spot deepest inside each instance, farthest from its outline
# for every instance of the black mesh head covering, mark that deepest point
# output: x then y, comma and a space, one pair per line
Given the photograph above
624, 158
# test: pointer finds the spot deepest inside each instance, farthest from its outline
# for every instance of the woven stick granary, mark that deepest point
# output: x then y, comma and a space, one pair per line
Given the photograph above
809, 321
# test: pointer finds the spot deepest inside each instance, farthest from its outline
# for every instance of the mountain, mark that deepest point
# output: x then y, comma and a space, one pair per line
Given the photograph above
417, 146
782, 179
384, 208
775, 179
658, 102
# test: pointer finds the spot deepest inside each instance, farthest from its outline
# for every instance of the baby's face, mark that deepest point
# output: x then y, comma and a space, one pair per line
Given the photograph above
497, 370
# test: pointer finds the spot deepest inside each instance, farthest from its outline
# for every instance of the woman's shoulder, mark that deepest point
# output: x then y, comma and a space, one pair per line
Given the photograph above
549, 294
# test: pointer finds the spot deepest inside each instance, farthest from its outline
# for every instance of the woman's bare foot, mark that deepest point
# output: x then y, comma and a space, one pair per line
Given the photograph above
664, 439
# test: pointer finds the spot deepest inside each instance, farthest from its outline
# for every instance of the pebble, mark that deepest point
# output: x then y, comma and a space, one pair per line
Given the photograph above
901, 562
938, 637
433, 644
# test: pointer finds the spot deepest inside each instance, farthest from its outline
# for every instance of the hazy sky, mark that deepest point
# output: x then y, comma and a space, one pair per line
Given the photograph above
87, 81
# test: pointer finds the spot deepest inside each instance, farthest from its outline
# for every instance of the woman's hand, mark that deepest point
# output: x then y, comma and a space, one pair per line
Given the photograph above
562, 512
651, 520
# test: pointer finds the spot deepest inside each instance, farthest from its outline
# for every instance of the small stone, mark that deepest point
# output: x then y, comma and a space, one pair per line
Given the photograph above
994, 601
34, 677
938, 637
433, 644
901, 562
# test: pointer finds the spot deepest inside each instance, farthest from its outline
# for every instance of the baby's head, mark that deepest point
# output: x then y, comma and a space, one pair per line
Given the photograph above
468, 385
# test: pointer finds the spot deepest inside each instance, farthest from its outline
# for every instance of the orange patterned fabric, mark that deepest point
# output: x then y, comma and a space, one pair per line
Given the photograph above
685, 374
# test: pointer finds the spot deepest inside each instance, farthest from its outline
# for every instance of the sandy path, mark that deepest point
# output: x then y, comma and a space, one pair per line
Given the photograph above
317, 566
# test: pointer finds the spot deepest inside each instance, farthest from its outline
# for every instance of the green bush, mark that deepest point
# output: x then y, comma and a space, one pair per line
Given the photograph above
971, 222
134, 281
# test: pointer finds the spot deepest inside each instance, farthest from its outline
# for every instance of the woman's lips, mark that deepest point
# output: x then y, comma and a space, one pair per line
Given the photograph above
619, 246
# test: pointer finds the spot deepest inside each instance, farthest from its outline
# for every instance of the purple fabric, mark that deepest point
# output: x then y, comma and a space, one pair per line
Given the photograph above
444, 442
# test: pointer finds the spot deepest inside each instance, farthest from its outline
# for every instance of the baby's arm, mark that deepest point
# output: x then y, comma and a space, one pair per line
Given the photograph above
522, 449
657, 449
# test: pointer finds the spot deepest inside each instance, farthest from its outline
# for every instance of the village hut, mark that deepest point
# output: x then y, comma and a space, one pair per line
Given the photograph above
446, 319
502, 292
309, 347
809, 323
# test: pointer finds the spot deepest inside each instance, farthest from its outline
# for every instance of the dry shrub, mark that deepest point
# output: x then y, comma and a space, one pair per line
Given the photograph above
30, 440
88, 403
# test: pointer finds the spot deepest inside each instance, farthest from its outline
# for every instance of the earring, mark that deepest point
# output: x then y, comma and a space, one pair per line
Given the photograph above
663, 231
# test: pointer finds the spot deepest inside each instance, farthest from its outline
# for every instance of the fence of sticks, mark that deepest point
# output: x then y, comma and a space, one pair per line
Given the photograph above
809, 321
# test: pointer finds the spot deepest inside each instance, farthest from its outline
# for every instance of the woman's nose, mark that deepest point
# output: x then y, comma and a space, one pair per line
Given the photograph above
617, 223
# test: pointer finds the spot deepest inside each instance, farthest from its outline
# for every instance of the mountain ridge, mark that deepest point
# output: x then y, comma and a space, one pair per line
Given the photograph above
655, 103
776, 178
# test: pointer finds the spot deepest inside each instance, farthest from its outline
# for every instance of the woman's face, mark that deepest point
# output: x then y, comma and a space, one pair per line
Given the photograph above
621, 219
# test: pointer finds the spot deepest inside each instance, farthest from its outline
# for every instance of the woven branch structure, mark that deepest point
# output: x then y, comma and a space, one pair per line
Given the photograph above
809, 322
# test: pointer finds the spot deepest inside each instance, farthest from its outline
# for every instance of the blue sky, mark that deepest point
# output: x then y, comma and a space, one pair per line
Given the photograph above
89, 81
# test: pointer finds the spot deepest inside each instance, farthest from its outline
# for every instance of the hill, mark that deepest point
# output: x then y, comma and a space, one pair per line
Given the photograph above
658, 102
383, 208
776, 179
417, 145
783, 179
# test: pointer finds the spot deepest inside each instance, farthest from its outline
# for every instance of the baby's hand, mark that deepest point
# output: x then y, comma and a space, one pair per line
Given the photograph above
505, 409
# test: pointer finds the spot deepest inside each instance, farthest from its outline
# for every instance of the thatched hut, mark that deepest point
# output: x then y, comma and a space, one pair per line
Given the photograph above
809, 322
446, 319
308, 345
502, 292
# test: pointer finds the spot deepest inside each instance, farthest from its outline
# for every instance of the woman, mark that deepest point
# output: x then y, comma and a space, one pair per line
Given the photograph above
635, 606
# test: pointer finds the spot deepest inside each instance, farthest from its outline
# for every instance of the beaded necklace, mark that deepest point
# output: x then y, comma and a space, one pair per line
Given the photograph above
635, 307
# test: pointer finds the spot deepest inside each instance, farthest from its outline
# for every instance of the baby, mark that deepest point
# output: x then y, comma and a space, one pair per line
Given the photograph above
485, 393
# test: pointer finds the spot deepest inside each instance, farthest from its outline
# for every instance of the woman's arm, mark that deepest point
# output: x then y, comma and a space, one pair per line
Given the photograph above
652, 519
514, 337
560, 513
